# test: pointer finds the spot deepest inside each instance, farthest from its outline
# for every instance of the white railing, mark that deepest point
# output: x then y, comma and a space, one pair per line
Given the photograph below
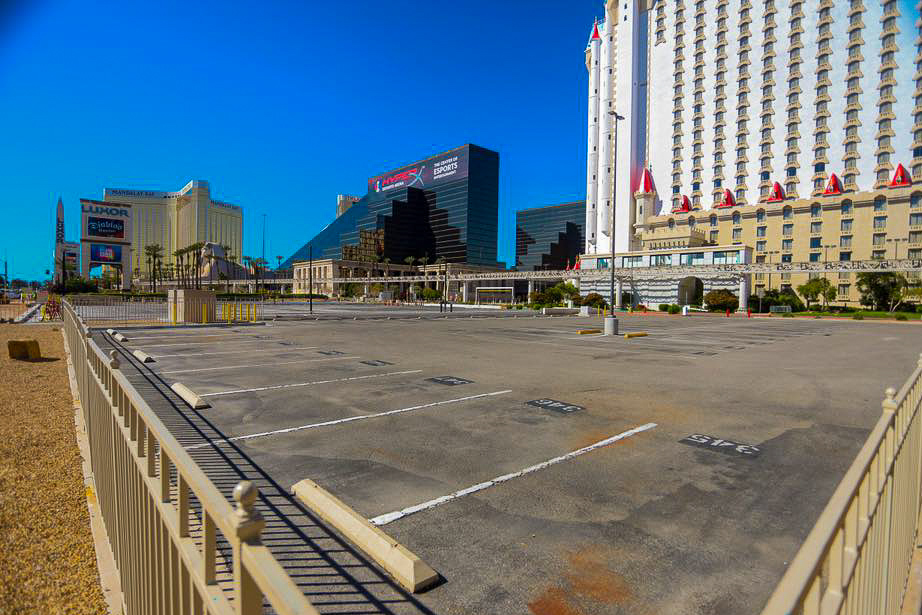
856, 559
163, 516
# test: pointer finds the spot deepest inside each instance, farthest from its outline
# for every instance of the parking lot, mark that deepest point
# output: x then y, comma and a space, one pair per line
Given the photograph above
541, 471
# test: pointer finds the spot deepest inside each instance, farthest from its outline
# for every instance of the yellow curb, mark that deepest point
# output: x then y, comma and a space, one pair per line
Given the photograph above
587, 331
628, 336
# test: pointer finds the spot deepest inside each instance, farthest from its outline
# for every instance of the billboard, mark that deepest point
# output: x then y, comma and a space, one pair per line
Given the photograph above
105, 227
451, 165
104, 253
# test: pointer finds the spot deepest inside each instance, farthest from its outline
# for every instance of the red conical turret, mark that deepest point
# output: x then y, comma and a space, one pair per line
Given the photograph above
900, 177
683, 207
833, 186
645, 183
595, 31
727, 200
776, 195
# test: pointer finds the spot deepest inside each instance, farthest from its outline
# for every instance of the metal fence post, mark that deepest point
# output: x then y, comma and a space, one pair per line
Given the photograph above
248, 524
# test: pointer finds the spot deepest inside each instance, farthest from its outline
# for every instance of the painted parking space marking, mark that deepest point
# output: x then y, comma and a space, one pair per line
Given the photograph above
350, 419
196, 343
451, 381
555, 406
176, 336
376, 362
399, 514
331, 353
223, 367
208, 354
307, 384
722, 445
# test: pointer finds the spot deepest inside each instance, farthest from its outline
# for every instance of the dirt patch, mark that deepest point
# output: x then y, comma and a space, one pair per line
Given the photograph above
48, 564
554, 601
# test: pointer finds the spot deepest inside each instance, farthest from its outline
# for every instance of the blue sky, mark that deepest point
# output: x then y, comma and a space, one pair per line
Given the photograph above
280, 105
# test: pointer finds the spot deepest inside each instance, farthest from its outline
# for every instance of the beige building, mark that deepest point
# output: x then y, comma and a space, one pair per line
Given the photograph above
175, 220
874, 225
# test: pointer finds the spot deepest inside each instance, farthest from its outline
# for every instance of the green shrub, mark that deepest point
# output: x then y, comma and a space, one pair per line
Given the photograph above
857, 316
674, 309
595, 300
901, 317
721, 300
787, 315
664, 307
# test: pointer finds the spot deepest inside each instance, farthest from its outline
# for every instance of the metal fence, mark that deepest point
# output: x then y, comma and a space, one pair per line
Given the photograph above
164, 518
856, 559
99, 310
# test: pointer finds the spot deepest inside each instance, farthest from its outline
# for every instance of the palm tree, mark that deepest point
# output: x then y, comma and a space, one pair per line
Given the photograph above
246, 269
154, 253
179, 254
423, 261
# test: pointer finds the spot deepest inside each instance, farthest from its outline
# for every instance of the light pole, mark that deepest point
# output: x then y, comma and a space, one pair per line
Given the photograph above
611, 235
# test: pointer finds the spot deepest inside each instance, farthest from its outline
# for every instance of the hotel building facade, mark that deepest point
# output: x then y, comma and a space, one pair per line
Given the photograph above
792, 127
175, 220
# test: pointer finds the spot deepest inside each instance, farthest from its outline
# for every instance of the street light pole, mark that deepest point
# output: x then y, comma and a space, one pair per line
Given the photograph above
611, 236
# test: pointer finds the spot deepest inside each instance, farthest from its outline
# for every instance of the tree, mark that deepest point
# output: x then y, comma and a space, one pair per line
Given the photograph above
816, 288
883, 291
720, 300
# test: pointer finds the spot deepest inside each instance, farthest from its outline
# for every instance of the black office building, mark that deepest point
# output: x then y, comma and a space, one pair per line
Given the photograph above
446, 206
549, 237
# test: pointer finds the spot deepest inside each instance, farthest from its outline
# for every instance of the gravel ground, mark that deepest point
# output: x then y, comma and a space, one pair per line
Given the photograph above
47, 563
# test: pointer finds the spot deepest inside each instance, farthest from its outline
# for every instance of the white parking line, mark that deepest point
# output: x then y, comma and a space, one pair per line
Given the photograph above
307, 384
399, 514
208, 354
211, 369
202, 343
179, 335
348, 419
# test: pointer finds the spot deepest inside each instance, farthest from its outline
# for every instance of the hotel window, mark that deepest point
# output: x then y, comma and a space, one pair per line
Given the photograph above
845, 241
786, 258
725, 258
845, 256
846, 208
692, 258
787, 213
632, 261
737, 234
915, 254
816, 227
760, 215
736, 217
915, 201
880, 204
814, 257
760, 231
878, 255
880, 222
915, 219
713, 220
915, 237
787, 245
816, 242
843, 290
661, 260
879, 239
787, 230
760, 246
713, 237
815, 211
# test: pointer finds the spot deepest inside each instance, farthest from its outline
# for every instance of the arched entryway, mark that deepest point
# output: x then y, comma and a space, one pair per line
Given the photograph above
691, 291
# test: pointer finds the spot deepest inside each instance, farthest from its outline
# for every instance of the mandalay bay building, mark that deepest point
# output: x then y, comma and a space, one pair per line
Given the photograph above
724, 131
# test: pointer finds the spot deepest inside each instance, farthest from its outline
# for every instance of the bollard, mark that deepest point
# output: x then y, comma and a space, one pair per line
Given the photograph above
728, 313
748, 313
611, 325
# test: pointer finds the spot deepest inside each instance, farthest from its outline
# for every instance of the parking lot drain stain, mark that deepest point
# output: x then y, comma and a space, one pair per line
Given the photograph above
348, 419
306, 384
399, 514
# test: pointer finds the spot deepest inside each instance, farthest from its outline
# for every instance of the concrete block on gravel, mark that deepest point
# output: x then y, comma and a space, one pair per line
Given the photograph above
24, 350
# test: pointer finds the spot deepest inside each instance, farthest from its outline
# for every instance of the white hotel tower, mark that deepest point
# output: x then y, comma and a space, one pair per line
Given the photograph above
730, 103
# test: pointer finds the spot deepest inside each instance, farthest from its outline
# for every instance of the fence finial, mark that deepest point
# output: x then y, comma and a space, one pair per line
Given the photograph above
113, 359
889, 403
249, 523
245, 494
